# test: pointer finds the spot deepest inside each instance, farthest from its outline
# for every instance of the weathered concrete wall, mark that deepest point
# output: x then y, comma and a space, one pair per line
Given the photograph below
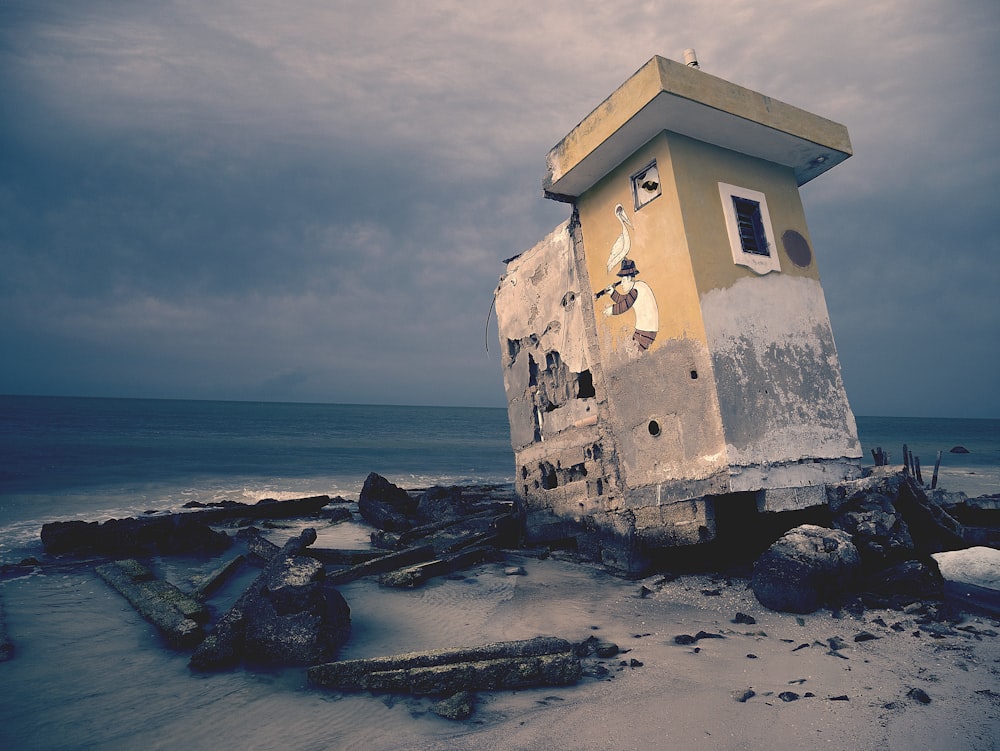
783, 405
557, 411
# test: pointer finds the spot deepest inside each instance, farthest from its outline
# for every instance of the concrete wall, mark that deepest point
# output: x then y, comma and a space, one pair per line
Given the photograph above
783, 405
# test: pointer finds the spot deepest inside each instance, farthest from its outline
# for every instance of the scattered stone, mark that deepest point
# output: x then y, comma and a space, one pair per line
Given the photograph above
751, 656
842, 697
606, 649
708, 635
836, 643
743, 694
542, 661
745, 619
805, 568
634, 663
711, 592
458, 706
788, 696
515, 571
918, 695
865, 636
684, 639
645, 591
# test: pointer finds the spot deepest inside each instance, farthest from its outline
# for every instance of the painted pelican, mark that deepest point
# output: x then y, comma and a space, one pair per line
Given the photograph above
623, 243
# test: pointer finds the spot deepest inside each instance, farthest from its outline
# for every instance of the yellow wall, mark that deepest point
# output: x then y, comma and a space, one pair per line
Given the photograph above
659, 249
698, 169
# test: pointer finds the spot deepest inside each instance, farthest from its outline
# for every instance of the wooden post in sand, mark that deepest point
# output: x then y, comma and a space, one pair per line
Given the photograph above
937, 466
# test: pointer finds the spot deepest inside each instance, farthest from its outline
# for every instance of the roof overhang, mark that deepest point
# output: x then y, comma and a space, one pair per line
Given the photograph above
665, 95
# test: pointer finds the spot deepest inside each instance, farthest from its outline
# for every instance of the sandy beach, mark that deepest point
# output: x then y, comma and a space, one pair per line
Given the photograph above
880, 679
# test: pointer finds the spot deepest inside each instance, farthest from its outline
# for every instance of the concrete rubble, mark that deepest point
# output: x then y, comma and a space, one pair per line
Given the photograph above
876, 544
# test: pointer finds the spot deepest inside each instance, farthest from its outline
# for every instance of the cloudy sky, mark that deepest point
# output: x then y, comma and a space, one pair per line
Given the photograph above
309, 200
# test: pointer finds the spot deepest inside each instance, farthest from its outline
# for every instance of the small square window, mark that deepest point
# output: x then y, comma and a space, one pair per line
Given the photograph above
646, 185
748, 224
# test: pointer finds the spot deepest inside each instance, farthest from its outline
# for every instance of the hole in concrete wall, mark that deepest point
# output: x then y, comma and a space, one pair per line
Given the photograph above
524, 473
568, 299
585, 385
654, 428
552, 360
599, 486
532, 371
549, 479
694, 375
513, 348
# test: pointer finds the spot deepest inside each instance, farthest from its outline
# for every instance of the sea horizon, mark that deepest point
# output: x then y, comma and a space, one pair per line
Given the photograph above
308, 402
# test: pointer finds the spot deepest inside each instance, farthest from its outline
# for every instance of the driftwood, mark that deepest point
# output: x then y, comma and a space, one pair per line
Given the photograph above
542, 661
178, 617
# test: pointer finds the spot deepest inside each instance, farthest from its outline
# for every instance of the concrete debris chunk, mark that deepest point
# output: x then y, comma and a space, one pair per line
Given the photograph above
178, 617
541, 661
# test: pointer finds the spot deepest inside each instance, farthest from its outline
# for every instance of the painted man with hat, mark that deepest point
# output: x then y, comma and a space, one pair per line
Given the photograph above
631, 294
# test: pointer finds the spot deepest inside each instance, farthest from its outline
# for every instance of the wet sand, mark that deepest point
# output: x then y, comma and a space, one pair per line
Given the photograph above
89, 673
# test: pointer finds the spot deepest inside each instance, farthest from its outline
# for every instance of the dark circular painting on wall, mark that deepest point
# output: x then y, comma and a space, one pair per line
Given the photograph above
797, 248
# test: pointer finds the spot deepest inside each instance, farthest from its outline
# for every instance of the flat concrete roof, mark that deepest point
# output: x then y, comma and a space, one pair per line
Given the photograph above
667, 95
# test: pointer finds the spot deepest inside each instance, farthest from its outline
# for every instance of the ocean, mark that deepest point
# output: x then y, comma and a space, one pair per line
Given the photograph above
97, 458
89, 673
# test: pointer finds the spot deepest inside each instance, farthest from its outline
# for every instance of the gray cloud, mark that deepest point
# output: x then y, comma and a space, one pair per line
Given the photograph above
310, 200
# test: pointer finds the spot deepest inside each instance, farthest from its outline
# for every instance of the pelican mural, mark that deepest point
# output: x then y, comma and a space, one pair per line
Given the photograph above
623, 243
628, 293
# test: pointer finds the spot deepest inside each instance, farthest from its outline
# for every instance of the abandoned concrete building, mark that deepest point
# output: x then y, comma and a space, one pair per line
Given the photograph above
667, 351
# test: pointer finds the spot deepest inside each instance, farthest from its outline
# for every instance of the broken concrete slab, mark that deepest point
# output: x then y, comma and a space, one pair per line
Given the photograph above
542, 661
972, 577
383, 564
177, 616
413, 576
207, 584
289, 615
182, 532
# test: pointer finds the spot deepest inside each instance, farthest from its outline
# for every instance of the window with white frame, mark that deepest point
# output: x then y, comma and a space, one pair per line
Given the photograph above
749, 226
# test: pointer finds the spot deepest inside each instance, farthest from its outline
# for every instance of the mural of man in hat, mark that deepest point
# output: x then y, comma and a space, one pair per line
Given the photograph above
631, 294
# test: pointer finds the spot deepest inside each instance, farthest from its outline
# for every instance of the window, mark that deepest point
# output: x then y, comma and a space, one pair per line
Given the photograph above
646, 185
749, 226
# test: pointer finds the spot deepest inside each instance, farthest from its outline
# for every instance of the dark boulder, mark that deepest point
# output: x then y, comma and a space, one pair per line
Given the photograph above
386, 506
289, 615
806, 568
